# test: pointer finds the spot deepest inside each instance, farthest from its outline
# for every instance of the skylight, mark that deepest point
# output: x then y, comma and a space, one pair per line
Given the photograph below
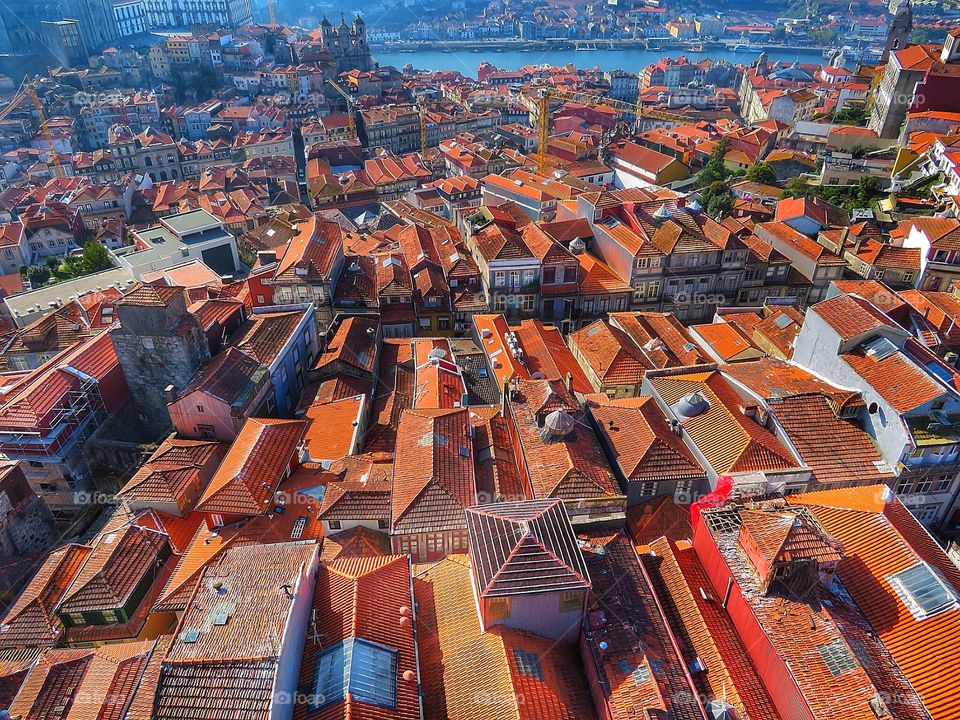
366, 670
923, 591
528, 663
837, 657
879, 347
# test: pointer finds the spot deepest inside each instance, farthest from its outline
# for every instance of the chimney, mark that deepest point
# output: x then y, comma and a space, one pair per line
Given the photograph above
570, 383
504, 397
844, 236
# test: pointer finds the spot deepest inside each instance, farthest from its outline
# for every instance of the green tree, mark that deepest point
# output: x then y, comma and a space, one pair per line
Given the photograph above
797, 187
714, 170
853, 115
761, 173
53, 263
95, 258
717, 199
38, 275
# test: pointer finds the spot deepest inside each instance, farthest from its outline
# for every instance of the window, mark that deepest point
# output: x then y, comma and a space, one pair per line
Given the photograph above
425, 323
908, 276
528, 663
682, 491
528, 302
77, 618
443, 323
640, 291
642, 263
922, 589
653, 290
334, 524
36, 464
366, 670
654, 262
648, 489
109, 616
499, 279
206, 432
837, 658
903, 485
549, 275
923, 486
571, 601
199, 408
383, 524
878, 273
942, 485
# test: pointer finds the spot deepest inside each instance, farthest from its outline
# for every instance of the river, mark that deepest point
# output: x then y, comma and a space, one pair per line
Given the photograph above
632, 60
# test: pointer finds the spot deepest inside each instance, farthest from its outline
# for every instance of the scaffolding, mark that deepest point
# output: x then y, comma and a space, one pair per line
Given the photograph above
81, 408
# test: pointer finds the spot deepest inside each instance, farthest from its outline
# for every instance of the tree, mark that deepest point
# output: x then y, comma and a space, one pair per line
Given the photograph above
853, 115
714, 170
761, 173
53, 263
38, 275
95, 258
717, 199
797, 187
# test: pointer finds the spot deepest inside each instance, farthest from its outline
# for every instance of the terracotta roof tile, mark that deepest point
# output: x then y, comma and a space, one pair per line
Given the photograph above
881, 538
730, 441
433, 480
459, 662
645, 446
253, 467
522, 547
363, 598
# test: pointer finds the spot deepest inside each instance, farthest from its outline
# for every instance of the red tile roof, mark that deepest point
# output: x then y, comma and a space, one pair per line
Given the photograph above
881, 538
522, 547
837, 450
640, 670
610, 353
355, 344
572, 467
253, 467
118, 563
706, 631
176, 473
729, 440
460, 663
851, 315
231, 669
645, 446
364, 598
433, 480
31, 620
83, 683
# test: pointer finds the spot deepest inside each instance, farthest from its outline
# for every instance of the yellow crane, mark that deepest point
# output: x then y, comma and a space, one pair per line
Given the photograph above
273, 12
422, 109
637, 110
28, 91
350, 106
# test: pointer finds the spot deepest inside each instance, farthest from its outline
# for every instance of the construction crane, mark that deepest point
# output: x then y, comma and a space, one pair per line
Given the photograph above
28, 91
273, 12
545, 95
350, 106
422, 110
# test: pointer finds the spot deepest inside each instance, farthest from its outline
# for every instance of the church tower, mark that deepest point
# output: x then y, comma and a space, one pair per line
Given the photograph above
899, 33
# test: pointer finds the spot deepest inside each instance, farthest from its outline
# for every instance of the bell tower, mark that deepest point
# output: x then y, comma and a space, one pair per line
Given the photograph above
899, 33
